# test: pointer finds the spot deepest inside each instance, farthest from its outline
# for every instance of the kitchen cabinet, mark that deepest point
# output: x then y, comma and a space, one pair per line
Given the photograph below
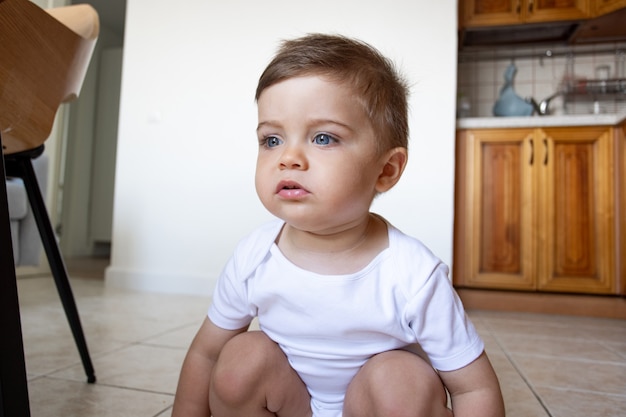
601, 7
478, 13
535, 209
621, 189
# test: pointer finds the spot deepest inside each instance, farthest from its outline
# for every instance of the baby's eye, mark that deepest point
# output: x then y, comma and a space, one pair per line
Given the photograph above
271, 141
323, 139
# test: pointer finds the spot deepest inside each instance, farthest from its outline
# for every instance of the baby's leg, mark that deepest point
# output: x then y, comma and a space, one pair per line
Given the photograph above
253, 378
396, 383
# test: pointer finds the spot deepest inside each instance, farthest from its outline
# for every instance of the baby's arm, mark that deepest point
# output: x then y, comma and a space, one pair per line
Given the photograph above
192, 394
474, 390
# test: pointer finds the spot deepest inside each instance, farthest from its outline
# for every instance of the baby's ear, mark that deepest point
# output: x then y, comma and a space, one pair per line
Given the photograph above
394, 163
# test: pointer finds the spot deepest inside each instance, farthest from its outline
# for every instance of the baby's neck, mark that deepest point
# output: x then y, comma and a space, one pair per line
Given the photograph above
337, 253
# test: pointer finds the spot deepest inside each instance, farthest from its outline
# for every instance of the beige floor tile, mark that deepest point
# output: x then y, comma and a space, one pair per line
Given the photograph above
109, 317
618, 348
547, 328
117, 328
608, 332
555, 326
492, 346
166, 413
149, 368
591, 376
519, 399
567, 403
180, 338
44, 355
506, 372
569, 366
479, 324
589, 349
51, 397
48, 341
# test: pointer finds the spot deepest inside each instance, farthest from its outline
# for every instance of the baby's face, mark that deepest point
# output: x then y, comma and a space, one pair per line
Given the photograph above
317, 166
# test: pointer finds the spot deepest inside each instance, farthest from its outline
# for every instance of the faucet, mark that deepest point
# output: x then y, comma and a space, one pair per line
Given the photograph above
542, 108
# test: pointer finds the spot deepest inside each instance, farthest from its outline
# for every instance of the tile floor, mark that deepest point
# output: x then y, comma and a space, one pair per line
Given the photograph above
547, 365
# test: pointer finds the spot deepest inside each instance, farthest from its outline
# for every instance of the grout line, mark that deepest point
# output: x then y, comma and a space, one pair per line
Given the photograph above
572, 359
160, 413
609, 346
520, 373
585, 391
108, 385
527, 382
175, 329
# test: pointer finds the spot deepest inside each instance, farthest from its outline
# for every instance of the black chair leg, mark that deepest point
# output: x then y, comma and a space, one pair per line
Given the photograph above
57, 266
13, 384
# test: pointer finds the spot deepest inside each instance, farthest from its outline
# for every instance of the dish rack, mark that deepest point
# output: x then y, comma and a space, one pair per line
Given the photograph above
595, 96
595, 88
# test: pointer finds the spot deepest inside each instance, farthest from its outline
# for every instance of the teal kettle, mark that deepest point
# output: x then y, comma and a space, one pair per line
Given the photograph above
509, 103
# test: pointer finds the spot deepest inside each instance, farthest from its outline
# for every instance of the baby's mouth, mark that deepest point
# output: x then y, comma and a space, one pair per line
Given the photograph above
291, 189
288, 185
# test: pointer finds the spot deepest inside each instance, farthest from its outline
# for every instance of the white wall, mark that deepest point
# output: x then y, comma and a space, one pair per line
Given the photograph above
187, 148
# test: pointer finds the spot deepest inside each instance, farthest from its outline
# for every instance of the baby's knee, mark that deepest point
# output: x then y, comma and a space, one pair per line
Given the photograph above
241, 367
396, 384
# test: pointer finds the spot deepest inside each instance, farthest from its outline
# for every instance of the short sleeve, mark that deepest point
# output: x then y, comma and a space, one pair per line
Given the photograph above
443, 330
230, 307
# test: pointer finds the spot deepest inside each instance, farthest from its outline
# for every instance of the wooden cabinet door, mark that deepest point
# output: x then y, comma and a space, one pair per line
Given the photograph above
620, 133
510, 12
490, 12
494, 209
555, 10
535, 209
575, 219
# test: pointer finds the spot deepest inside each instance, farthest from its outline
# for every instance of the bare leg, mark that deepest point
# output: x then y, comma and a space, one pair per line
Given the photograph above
253, 378
396, 383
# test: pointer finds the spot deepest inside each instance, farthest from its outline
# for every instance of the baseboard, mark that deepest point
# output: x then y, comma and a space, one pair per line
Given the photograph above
568, 304
174, 283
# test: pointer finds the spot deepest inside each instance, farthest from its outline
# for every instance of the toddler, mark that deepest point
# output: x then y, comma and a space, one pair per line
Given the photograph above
356, 318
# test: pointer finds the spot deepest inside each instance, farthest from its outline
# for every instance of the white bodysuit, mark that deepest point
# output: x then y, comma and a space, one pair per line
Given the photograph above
330, 325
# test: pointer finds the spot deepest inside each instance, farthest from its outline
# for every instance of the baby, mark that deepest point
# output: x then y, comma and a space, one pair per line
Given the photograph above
356, 318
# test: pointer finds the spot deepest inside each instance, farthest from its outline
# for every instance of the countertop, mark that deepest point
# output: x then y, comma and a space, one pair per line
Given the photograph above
541, 121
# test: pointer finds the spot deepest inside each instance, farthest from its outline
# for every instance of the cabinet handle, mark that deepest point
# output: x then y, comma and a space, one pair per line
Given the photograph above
532, 152
530, 6
545, 144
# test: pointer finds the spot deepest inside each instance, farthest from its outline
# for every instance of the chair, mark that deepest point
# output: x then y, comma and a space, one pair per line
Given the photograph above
44, 56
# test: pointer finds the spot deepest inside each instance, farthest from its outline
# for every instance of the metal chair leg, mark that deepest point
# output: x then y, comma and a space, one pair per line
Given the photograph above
57, 266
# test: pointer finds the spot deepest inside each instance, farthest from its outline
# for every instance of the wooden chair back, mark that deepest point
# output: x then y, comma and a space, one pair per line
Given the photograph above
44, 55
